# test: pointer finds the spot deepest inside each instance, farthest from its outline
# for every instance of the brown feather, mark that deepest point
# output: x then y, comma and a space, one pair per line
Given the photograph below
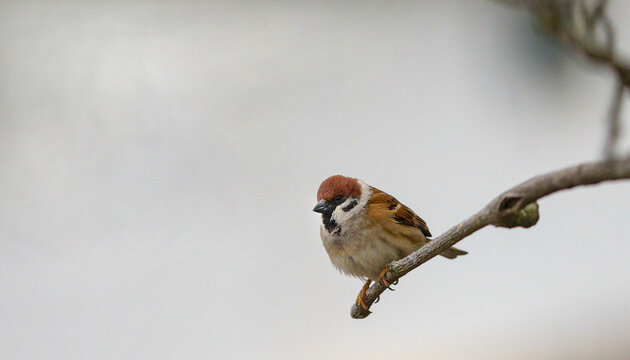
383, 208
387, 205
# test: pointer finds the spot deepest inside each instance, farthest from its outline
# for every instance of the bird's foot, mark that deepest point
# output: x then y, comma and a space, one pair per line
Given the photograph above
383, 281
361, 297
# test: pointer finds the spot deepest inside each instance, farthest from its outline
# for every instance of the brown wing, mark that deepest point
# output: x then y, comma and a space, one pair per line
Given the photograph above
396, 210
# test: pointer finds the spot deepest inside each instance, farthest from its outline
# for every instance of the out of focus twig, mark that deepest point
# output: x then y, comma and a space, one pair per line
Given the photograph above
577, 24
584, 26
613, 122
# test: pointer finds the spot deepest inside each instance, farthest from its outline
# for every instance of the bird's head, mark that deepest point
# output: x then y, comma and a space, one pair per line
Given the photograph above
339, 199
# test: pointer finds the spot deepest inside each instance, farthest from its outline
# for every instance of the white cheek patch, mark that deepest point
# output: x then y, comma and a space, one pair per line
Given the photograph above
340, 215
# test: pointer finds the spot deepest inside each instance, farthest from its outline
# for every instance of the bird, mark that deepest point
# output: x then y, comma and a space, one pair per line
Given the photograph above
363, 229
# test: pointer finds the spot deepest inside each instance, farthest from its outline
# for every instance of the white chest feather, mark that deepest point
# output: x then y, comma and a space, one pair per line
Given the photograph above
361, 249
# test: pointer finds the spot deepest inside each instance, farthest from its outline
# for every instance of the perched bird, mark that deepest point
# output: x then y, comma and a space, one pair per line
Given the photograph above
363, 229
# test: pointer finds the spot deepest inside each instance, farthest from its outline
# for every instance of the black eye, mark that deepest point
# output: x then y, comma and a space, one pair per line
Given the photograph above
338, 198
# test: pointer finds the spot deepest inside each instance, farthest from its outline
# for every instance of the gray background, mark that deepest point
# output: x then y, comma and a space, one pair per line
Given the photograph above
159, 162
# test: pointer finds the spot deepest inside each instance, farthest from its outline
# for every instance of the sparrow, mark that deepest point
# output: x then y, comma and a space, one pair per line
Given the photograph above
363, 229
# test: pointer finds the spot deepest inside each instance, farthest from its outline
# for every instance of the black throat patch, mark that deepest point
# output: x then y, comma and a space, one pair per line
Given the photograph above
329, 223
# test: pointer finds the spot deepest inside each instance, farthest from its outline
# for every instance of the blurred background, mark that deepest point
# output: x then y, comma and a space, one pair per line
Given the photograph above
159, 163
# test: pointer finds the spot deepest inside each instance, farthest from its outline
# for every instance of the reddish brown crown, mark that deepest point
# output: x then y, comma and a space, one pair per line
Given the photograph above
338, 185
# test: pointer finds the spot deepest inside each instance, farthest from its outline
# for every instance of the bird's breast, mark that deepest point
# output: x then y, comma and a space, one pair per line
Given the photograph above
362, 249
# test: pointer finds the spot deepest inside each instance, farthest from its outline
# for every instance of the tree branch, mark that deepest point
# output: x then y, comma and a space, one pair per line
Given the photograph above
516, 207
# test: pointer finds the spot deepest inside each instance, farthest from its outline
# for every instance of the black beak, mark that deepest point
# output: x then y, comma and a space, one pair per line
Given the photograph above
321, 207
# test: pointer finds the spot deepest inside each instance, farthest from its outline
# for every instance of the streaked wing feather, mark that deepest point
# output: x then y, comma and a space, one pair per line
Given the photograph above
399, 212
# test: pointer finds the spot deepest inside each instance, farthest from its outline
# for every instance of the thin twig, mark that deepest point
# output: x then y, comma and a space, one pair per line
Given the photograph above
516, 207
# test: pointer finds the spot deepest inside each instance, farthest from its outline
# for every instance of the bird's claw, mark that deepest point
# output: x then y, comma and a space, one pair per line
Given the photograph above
383, 281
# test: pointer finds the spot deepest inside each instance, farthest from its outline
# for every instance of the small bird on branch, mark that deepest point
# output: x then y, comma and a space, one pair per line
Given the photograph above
363, 229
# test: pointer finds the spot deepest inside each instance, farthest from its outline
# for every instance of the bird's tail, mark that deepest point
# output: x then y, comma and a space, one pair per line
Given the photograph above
452, 253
